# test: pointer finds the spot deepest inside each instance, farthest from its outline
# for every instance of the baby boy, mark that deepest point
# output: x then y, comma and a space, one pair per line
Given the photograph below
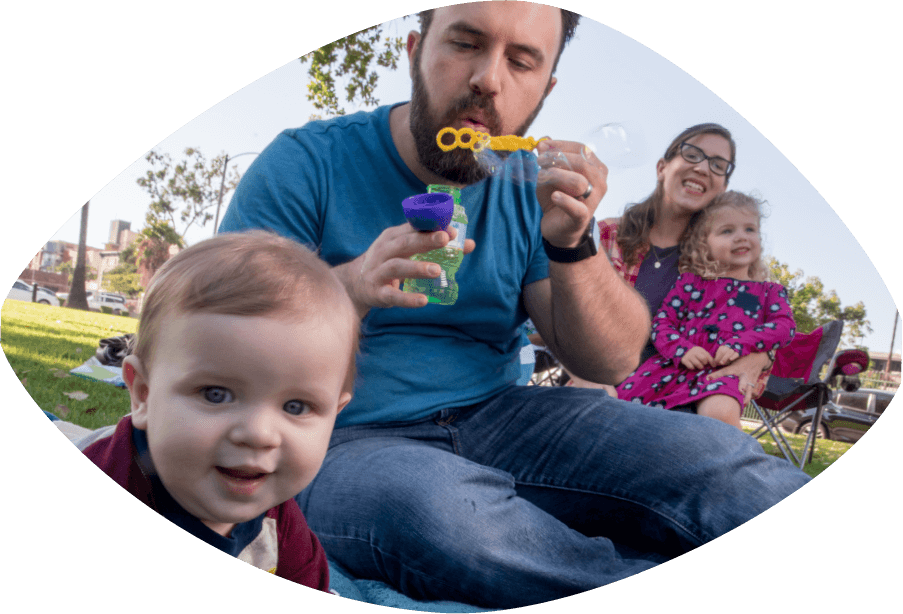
244, 356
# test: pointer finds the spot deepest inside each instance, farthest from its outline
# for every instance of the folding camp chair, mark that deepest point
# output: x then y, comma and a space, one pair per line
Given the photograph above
796, 384
548, 371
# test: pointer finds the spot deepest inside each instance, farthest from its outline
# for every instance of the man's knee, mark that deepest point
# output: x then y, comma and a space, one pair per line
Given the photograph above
397, 481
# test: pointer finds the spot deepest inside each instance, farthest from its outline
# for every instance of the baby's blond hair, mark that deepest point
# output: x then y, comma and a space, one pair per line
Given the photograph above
254, 273
695, 255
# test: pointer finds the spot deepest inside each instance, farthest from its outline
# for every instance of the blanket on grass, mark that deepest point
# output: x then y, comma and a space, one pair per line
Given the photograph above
94, 370
380, 593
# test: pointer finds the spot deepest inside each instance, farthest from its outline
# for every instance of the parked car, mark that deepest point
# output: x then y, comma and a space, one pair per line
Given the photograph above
21, 291
846, 417
96, 300
116, 302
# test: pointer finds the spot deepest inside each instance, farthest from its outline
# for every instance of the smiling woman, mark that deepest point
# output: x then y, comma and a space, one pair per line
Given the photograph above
643, 244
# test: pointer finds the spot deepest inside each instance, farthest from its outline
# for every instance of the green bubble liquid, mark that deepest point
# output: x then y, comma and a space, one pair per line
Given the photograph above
443, 290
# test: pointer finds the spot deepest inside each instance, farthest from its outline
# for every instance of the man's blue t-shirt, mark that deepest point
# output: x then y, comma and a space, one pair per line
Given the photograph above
335, 186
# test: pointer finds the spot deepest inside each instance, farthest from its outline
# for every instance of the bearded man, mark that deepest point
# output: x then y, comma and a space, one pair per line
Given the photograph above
444, 478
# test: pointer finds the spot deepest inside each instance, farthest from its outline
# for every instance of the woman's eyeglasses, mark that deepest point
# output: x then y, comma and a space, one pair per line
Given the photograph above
694, 155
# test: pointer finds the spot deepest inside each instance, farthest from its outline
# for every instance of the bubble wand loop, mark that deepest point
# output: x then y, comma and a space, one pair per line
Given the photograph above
468, 138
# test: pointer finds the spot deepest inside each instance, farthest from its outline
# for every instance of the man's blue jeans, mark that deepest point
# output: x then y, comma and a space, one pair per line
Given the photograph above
536, 494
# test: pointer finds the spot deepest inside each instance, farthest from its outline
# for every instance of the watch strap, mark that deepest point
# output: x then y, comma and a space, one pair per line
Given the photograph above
585, 249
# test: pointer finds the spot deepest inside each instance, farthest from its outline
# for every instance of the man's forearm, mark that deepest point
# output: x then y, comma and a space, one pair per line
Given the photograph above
347, 274
600, 323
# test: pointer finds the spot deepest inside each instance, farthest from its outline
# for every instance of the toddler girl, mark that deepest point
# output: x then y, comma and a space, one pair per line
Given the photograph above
719, 309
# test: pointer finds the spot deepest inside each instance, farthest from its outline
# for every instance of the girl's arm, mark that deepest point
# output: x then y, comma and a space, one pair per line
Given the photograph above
779, 327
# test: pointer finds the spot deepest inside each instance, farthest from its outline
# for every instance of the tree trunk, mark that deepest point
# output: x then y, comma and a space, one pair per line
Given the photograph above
78, 299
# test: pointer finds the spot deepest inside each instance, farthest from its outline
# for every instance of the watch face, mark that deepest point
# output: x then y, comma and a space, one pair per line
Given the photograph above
595, 241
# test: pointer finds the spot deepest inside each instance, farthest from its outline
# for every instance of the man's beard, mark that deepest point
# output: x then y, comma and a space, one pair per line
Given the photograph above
458, 165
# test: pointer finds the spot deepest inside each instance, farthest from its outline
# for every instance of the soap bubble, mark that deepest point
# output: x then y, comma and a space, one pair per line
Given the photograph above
618, 145
489, 161
549, 160
521, 168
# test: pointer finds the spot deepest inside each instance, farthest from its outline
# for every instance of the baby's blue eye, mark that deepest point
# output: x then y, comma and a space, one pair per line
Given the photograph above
215, 394
296, 407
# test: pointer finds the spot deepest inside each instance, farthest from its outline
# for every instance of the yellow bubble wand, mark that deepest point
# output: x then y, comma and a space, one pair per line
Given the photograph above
468, 138
622, 147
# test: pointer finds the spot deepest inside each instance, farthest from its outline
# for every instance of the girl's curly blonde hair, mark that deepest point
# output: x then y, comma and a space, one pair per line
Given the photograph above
695, 255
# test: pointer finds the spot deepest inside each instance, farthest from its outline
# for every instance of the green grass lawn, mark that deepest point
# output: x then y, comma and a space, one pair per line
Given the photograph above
43, 343
826, 450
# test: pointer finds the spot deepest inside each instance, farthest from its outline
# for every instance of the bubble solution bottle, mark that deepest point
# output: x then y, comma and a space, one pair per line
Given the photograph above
443, 290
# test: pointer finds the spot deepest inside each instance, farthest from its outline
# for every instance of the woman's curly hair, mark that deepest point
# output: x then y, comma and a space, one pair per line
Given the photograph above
695, 255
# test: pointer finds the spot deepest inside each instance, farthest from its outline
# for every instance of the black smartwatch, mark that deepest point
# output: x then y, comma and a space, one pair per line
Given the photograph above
588, 246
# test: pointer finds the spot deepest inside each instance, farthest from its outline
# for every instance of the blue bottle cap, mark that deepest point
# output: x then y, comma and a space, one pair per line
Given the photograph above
429, 212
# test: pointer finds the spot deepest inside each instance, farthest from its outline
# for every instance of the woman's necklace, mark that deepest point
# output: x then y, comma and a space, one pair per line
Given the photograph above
663, 255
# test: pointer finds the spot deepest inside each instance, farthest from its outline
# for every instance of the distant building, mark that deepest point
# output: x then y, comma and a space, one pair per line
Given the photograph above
879, 362
56, 252
116, 229
121, 236
98, 262
50, 257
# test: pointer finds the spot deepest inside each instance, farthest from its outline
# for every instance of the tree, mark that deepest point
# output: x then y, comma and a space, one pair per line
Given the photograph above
358, 52
152, 246
65, 267
184, 192
813, 307
77, 296
124, 276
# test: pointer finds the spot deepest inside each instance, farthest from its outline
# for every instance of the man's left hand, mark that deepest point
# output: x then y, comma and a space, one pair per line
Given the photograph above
567, 169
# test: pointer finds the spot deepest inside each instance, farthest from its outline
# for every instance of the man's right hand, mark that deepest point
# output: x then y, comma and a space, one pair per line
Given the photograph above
374, 278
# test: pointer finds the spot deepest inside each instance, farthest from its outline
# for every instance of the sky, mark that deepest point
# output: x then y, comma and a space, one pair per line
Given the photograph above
603, 77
